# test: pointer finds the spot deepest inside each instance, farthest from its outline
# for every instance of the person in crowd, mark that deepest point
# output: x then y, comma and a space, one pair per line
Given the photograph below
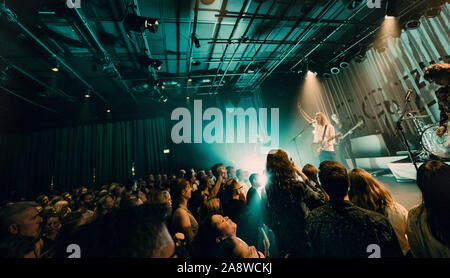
205, 185
68, 197
17, 246
311, 173
43, 201
159, 180
133, 232
368, 193
428, 225
208, 208
151, 180
191, 177
210, 174
212, 230
220, 177
52, 226
341, 229
231, 172
201, 174
86, 205
62, 209
236, 205
23, 219
289, 200
105, 205
183, 221
236, 248
199, 195
242, 178
256, 198
161, 197
181, 174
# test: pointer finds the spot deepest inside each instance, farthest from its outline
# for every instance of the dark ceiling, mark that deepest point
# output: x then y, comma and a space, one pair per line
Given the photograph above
241, 44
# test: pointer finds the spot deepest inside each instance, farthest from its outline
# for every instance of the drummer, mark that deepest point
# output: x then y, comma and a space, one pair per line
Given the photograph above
440, 74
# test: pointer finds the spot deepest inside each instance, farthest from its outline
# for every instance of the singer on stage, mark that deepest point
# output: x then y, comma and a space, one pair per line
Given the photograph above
324, 135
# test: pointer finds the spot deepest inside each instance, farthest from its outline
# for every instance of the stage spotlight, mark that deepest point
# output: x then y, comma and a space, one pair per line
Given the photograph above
335, 70
196, 41
55, 68
108, 110
87, 95
391, 8
140, 23
311, 74
326, 75
412, 24
344, 65
189, 79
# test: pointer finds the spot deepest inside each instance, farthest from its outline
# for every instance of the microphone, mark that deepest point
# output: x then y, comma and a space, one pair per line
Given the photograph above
408, 95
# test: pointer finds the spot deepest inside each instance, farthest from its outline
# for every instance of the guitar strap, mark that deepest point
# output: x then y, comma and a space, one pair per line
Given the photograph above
324, 132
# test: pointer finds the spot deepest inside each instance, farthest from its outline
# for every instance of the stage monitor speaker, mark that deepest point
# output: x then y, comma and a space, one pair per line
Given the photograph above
369, 146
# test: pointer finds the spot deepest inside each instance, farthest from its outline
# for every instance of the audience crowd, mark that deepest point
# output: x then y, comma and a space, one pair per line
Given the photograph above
229, 213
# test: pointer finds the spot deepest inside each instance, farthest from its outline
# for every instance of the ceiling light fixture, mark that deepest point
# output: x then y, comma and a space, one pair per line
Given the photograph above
87, 95
140, 23
154, 63
196, 41
335, 70
391, 8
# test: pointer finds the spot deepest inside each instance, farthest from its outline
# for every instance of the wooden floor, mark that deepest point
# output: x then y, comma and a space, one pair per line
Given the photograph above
407, 193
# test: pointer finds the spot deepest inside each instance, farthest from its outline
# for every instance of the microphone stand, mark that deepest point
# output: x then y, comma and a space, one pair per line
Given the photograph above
400, 130
295, 142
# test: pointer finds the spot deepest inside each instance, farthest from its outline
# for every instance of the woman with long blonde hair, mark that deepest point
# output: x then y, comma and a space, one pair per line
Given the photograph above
324, 134
368, 193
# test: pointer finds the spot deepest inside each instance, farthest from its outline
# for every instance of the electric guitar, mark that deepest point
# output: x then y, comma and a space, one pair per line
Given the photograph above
318, 147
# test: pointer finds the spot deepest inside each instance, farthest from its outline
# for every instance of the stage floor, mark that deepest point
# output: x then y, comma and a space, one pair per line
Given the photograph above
405, 193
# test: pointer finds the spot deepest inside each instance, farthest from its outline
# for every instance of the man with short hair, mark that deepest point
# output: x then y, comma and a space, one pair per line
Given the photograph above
242, 177
133, 232
341, 229
220, 174
23, 219
231, 172
87, 205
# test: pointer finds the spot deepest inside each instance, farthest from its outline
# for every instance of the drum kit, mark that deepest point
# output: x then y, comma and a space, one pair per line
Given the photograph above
431, 143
